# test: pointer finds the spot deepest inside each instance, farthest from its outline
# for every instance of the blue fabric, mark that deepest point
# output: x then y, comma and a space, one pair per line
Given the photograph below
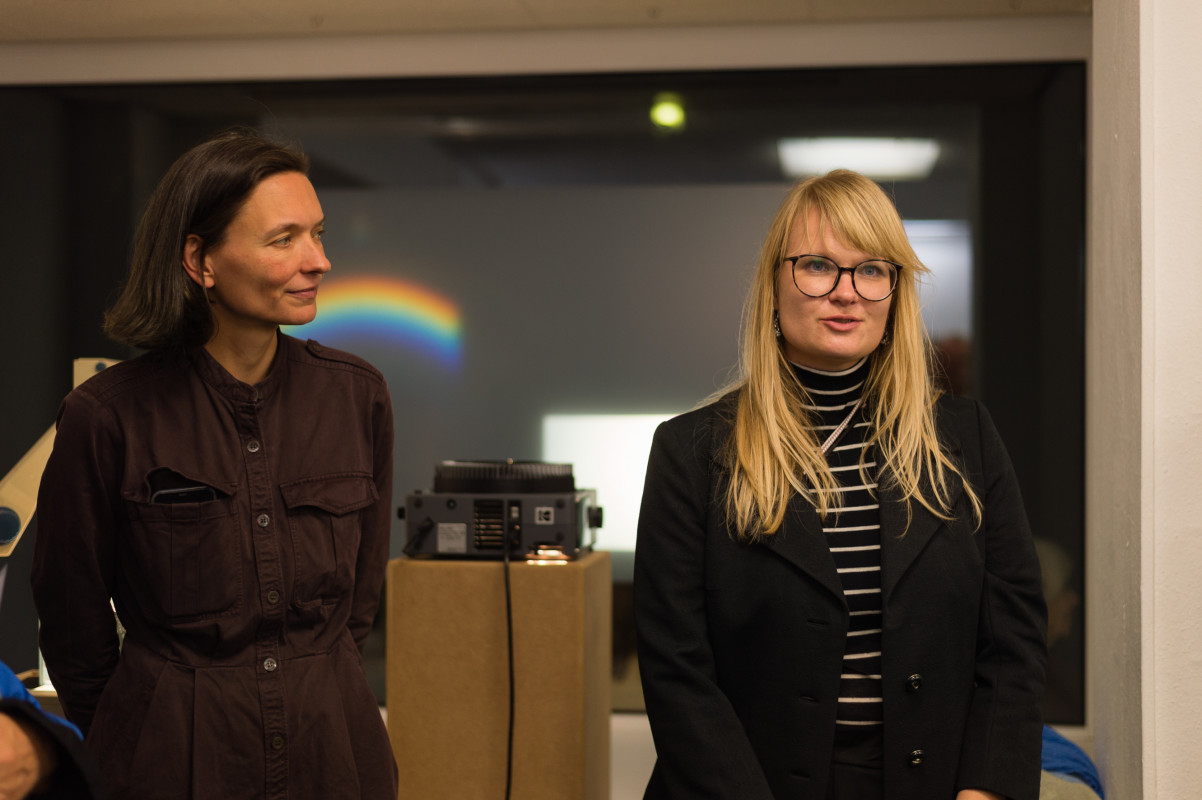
1064, 758
13, 689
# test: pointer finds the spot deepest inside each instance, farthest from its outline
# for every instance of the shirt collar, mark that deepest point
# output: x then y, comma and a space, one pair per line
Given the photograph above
825, 381
212, 373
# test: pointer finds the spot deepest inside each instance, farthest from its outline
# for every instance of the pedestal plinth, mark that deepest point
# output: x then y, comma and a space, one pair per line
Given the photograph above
448, 689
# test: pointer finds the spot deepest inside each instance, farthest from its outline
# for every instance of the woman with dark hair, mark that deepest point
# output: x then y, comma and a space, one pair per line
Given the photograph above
836, 590
230, 492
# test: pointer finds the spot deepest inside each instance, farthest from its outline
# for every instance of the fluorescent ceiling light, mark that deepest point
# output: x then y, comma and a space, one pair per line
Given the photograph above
879, 158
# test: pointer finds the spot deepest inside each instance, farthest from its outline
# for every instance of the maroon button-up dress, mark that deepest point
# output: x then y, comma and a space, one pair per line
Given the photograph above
242, 534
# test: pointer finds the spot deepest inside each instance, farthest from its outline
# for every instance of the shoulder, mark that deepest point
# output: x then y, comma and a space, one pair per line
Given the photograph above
965, 426
311, 353
701, 432
10, 687
958, 420
135, 378
14, 696
718, 415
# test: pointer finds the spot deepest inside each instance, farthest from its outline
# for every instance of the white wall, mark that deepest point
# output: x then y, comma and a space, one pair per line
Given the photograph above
1171, 187
1113, 431
598, 50
1144, 418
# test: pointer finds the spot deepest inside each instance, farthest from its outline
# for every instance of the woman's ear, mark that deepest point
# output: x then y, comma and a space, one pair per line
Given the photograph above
195, 264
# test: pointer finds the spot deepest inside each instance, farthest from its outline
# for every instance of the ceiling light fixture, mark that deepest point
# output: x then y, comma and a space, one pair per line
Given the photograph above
879, 158
667, 111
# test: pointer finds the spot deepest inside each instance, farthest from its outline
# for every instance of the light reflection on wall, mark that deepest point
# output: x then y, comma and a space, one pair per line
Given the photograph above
608, 452
384, 310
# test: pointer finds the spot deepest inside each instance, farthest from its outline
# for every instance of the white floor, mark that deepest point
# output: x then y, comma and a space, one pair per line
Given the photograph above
632, 755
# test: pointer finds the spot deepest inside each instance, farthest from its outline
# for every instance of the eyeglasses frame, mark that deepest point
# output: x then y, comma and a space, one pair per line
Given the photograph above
792, 262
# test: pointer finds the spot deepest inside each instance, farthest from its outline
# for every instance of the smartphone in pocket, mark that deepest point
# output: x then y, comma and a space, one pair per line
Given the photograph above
184, 494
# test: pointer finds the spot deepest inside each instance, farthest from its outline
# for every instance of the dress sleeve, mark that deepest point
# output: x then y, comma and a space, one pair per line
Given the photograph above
376, 525
1002, 738
703, 751
73, 557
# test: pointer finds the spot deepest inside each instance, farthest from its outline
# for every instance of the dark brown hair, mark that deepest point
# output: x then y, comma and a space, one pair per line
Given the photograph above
160, 307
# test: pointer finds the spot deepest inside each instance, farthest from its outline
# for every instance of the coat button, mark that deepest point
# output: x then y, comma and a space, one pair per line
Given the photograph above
271, 665
277, 742
273, 597
914, 682
916, 758
263, 520
252, 446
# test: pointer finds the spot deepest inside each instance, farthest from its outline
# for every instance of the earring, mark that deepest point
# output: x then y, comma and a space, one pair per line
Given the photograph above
776, 324
885, 338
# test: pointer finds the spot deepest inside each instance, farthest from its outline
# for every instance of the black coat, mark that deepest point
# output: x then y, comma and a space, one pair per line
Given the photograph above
740, 646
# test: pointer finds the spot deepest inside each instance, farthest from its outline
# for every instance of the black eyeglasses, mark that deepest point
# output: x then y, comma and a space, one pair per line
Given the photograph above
817, 276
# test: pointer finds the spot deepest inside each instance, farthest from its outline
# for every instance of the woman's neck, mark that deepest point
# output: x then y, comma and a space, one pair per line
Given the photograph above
247, 356
835, 373
827, 381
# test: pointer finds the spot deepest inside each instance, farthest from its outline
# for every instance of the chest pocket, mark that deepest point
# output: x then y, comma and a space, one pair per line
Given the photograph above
190, 556
324, 527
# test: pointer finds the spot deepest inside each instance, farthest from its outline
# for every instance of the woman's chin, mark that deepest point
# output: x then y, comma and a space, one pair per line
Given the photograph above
302, 318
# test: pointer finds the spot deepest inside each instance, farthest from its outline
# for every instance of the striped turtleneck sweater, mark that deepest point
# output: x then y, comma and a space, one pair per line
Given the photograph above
853, 533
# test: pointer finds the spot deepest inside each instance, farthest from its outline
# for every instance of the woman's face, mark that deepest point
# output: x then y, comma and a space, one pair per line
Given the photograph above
835, 331
266, 271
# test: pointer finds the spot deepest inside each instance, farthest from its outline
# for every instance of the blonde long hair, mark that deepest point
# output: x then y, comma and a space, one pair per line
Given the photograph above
772, 451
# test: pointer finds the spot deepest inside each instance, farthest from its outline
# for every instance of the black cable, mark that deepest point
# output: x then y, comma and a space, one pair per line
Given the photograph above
509, 632
414, 544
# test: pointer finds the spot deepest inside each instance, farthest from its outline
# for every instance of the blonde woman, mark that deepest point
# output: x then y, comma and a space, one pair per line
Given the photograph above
836, 591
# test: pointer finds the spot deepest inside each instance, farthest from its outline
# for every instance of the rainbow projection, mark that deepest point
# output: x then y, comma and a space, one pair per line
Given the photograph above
379, 310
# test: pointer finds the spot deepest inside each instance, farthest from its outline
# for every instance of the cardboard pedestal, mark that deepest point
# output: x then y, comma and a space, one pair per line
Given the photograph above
448, 686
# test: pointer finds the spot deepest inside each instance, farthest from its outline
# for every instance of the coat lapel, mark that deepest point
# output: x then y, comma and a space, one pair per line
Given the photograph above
900, 544
800, 541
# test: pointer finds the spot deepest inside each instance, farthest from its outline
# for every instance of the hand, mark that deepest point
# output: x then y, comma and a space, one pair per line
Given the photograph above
977, 794
25, 759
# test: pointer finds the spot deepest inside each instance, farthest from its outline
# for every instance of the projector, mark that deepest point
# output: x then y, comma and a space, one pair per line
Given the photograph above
490, 509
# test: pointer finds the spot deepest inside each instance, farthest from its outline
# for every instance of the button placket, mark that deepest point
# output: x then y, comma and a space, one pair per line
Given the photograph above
265, 526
